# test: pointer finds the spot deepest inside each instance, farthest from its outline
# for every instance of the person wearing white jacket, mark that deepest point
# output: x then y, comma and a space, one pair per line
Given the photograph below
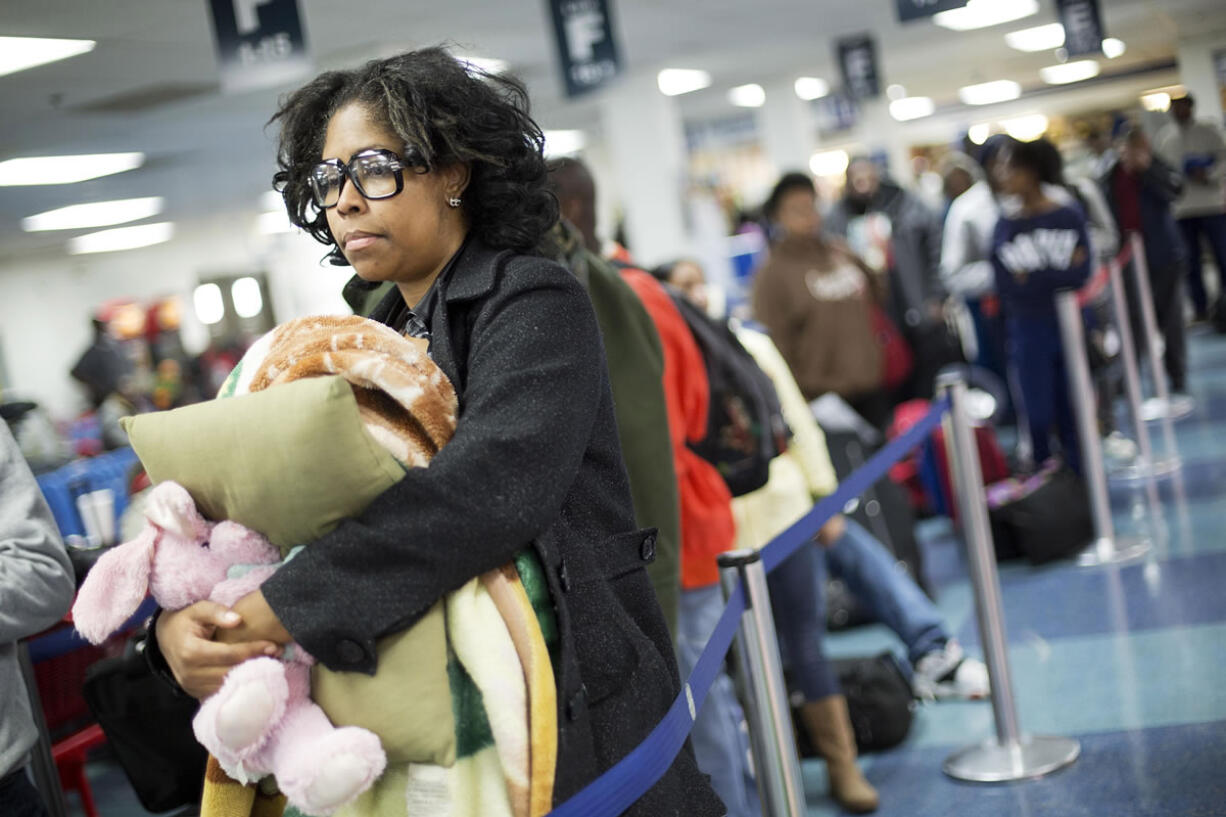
36, 587
1196, 150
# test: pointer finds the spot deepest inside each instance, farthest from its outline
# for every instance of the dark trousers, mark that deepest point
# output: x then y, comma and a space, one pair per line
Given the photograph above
1213, 228
19, 798
1037, 358
1166, 286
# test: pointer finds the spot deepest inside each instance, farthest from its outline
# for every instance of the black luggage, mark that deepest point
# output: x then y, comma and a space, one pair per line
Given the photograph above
1042, 518
879, 701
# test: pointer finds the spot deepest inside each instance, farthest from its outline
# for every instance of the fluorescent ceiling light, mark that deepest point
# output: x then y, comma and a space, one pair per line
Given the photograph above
20, 53
1159, 101
1113, 47
245, 293
988, 93
122, 238
829, 163
979, 133
1068, 72
270, 201
677, 81
985, 13
273, 222
747, 96
1039, 38
809, 88
911, 107
96, 214
65, 169
486, 64
564, 142
210, 308
1025, 128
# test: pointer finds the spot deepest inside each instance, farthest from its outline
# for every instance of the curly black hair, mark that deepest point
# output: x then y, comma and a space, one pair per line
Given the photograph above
788, 182
449, 111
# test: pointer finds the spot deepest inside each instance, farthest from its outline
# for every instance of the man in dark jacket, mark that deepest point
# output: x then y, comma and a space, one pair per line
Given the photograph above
1141, 188
894, 232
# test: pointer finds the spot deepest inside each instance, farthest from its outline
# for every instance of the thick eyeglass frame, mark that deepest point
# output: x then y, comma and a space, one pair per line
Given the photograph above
398, 165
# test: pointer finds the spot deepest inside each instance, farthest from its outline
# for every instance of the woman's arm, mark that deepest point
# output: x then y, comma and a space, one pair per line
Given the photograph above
535, 381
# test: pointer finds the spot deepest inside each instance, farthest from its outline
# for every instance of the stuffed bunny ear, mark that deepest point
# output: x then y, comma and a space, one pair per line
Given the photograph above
115, 587
172, 508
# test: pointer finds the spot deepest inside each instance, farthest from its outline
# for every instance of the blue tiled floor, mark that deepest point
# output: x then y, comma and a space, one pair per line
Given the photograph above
1130, 660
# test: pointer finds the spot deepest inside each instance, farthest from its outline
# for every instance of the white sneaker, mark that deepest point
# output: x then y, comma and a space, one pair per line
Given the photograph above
948, 674
1119, 448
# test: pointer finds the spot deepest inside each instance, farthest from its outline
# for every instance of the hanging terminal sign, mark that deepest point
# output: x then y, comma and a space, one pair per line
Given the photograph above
259, 42
586, 45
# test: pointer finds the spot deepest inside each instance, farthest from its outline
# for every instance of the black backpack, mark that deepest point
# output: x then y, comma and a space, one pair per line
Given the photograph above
879, 703
745, 426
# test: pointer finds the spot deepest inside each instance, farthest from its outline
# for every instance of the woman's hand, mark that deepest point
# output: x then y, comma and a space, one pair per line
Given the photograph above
199, 663
259, 623
832, 531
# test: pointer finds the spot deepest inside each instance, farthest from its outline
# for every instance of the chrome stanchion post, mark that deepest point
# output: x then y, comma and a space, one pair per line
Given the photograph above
761, 676
1106, 548
1161, 406
1010, 755
46, 776
1145, 465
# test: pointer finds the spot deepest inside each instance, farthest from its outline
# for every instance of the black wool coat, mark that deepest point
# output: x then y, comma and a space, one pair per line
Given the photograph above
534, 461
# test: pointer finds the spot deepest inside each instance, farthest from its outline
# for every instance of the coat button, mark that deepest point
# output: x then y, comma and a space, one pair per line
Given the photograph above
648, 549
577, 702
564, 577
350, 652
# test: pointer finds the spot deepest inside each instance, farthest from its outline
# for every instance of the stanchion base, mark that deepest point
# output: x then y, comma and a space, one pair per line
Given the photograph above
1141, 470
1176, 407
1114, 551
992, 762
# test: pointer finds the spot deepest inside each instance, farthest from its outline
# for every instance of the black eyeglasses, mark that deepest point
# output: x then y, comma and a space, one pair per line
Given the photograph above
376, 173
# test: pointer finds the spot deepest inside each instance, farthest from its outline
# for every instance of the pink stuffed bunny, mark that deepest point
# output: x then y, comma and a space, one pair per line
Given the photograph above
262, 720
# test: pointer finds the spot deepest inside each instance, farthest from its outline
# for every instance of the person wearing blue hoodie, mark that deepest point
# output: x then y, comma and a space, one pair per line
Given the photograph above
1038, 248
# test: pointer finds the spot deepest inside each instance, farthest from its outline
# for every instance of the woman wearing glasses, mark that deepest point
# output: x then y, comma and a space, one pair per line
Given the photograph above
417, 171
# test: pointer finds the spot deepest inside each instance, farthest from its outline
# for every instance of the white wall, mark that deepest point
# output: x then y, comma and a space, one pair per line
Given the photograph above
46, 303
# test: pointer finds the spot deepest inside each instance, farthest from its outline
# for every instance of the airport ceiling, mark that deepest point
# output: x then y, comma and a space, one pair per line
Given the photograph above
151, 83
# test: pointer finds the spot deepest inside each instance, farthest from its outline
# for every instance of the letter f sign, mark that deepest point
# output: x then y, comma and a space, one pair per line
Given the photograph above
584, 30
245, 16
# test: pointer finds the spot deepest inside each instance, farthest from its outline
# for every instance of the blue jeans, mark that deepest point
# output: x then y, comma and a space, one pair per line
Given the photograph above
873, 575
18, 797
720, 737
1037, 355
1212, 227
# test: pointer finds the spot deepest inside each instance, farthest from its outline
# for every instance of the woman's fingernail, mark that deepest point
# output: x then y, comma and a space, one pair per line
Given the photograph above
270, 650
231, 618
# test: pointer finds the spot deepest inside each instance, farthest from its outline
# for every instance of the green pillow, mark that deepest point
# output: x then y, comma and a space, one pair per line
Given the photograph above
291, 462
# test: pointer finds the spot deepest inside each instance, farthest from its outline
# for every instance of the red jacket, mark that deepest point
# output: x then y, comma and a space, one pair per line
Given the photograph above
707, 528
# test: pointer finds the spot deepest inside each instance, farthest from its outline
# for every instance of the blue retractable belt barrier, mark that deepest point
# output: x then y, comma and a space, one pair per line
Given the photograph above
618, 788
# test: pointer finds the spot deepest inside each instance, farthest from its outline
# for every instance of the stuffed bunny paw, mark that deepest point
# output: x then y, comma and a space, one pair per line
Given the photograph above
238, 720
338, 766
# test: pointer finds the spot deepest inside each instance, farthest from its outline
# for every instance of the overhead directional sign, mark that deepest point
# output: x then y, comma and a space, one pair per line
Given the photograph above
259, 43
587, 47
1083, 26
909, 10
858, 64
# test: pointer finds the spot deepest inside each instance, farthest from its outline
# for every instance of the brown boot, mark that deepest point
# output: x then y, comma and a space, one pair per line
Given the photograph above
829, 727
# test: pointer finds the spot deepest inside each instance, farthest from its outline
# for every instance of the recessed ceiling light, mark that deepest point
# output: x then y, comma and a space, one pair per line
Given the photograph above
20, 53
487, 65
911, 107
985, 13
246, 296
95, 214
988, 93
747, 96
979, 133
65, 169
829, 162
1025, 128
1159, 101
896, 91
122, 238
210, 308
808, 88
1067, 72
677, 81
564, 142
1113, 47
1039, 38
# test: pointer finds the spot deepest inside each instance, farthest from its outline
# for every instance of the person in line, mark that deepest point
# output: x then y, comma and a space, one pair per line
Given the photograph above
707, 528
1141, 189
1037, 251
816, 299
1196, 149
802, 475
420, 170
959, 173
36, 584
